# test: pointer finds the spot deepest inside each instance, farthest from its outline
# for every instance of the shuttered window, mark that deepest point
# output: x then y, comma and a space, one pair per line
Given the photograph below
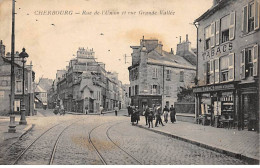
231, 66
250, 19
216, 70
232, 25
242, 64
217, 31
205, 72
245, 19
207, 37
257, 13
155, 72
211, 72
255, 60
212, 37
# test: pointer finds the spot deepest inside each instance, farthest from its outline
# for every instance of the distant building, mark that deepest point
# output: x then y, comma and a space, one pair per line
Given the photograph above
156, 75
228, 64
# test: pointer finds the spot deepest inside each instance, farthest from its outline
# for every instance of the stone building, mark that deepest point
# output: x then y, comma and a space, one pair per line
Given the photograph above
156, 75
228, 68
5, 83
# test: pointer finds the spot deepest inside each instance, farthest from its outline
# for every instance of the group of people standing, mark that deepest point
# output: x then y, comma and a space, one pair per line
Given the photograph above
151, 114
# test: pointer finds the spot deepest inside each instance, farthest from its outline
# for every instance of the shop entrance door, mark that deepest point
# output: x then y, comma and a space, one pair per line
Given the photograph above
249, 109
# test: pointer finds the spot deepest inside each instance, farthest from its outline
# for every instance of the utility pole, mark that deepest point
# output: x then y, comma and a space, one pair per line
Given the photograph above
12, 125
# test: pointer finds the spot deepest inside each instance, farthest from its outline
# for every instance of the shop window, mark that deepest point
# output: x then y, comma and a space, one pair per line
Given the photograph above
250, 19
207, 37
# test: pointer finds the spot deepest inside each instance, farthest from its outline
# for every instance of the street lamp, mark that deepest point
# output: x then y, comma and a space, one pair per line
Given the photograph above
23, 121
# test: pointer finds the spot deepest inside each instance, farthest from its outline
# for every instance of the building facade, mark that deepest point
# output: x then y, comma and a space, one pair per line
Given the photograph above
157, 75
5, 84
228, 66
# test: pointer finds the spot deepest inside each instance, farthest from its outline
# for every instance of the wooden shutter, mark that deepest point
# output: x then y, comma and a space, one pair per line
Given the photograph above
158, 89
256, 17
151, 89
217, 70
217, 31
255, 59
232, 25
205, 72
211, 72
212, 32
231, 66
245, 19
242, 64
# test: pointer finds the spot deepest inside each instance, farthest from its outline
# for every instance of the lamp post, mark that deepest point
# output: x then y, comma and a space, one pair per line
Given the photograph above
12, 125
23, 121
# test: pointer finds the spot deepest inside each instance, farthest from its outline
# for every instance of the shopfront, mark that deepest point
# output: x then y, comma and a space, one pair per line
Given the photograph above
216, 105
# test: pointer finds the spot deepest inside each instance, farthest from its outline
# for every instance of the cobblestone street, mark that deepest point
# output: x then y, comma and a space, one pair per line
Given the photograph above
105, 139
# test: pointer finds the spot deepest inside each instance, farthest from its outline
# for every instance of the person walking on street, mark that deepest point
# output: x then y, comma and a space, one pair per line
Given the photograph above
137, 114
158, 116
132, 113
172, 114
146, 113
116, 110
101, 110
165, 114
150, 118
128, 110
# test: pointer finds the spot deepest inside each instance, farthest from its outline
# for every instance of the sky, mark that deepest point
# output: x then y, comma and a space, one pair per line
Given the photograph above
52, 40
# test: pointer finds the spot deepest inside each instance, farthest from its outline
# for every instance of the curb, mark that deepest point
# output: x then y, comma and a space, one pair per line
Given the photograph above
219, 150
26, 130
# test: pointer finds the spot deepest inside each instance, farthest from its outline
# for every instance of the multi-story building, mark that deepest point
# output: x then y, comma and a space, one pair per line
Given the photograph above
5, 83
228, 66
156, 75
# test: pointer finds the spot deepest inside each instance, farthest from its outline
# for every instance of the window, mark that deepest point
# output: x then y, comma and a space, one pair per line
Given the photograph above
155, 73
224, 69
250, 19
168, 88
18, 86
181, 76
249, 62
207, 37
155, 89
225, 28
136, 90
168, 75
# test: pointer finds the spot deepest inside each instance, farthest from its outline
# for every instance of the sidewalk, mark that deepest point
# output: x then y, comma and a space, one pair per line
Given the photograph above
240, 144
20, 129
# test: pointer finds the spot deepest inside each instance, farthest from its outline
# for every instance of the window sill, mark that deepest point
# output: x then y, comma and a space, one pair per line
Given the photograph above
248, 34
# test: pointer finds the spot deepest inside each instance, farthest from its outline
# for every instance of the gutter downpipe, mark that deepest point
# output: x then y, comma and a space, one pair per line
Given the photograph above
196, 24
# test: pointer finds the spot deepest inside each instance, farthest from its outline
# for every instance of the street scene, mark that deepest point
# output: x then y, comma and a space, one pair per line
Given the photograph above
129, 83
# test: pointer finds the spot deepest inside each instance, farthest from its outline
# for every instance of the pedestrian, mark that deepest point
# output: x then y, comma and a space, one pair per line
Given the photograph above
158, 116
116, 110
86, 110
137, 114
132, 113
150, 118
128, 110
101, 109
172, 114
165, 114
146, 113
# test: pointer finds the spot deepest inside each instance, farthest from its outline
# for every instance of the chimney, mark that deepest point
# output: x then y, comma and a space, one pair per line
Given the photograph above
187, 38
180, 39
172, 52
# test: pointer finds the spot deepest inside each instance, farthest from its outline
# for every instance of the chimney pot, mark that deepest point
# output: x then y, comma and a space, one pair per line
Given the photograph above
187, 38
180, 39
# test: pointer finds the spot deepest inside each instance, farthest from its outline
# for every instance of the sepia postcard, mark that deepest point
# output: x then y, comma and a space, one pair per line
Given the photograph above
129, 82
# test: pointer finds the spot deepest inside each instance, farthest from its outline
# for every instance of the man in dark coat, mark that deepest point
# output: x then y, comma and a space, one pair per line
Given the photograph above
146, 113
150, 118
158, 116
172, 114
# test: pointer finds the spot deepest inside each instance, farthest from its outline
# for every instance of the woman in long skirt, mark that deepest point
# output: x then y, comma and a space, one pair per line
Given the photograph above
172, 114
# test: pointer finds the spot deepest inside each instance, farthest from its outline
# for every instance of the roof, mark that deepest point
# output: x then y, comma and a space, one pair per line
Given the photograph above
39, 89
212, 10
168, 59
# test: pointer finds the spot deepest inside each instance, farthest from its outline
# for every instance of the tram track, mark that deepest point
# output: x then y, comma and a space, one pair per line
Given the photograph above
38, 138
101, 157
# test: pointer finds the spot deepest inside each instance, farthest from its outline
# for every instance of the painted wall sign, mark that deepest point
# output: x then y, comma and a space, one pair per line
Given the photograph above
213, 88
224, 48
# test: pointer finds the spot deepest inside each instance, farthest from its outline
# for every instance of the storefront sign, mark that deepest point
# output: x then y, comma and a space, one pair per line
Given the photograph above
213, 88
217, 51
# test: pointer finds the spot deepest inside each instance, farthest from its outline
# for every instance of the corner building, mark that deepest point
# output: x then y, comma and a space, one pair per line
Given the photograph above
227, 93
